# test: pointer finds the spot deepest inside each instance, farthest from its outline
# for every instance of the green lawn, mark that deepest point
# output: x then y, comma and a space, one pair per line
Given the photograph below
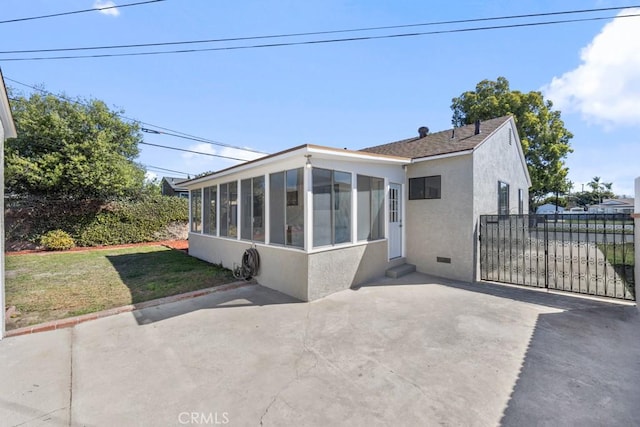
55, 285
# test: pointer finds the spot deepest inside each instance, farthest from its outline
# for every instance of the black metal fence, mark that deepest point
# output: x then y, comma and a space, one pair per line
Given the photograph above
585, 253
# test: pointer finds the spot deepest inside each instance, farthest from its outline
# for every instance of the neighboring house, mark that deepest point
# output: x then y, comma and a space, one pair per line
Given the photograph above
7, 130
325, 219
549, 208
171, 187
610, 206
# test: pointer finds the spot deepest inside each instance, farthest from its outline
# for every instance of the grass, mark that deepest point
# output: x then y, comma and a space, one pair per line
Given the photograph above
53, 286
619, 254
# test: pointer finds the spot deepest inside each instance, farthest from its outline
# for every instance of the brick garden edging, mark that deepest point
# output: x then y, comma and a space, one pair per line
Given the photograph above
73, 321
172, 244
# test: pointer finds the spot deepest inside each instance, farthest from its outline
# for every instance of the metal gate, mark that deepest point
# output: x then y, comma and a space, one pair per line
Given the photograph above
584, 253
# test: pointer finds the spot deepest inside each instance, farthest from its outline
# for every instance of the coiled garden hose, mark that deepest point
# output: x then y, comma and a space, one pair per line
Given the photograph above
249, 266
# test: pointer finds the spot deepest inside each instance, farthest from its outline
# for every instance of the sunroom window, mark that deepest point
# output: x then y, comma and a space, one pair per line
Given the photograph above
209, 209
252, 209
286, 208
370, 208
196, 210
331, 207
229, 209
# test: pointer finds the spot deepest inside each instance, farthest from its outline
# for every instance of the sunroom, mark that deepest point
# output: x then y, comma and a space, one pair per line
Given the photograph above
321, 219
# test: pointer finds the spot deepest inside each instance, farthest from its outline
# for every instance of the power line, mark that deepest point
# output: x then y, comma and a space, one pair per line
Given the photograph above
170, 132
157, 168
95, 9
273, 36
324, 41
202, 140
55, 144
194, 152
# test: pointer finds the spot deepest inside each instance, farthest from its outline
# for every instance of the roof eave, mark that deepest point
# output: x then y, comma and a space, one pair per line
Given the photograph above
327, 152
5, 111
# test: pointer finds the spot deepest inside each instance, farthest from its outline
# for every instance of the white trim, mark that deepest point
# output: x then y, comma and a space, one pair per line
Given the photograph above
343, 246
5, 113
319, 151
442, 156
295, 249
308, 210
354, 207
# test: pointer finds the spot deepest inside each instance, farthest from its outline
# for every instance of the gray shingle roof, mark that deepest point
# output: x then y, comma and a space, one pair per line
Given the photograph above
440, 142
174, 183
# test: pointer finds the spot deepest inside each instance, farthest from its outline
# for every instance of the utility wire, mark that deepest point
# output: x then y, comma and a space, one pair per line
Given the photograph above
56, 144
95, 9
194, 152
171, 132
201, 140
324, 41
315, 33
157, 168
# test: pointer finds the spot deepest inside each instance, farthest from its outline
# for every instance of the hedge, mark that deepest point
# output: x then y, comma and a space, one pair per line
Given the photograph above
93, 223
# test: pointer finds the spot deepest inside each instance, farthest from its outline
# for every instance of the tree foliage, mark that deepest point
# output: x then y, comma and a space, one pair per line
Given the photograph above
545, 140
71, 149
599, 191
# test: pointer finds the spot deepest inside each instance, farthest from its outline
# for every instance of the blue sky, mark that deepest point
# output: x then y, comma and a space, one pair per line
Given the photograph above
353, 94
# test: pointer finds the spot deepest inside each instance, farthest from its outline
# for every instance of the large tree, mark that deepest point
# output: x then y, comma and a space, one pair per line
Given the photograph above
545, 140
71, 149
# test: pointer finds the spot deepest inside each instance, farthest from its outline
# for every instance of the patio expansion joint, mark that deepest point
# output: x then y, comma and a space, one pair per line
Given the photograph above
71, 339
305, 350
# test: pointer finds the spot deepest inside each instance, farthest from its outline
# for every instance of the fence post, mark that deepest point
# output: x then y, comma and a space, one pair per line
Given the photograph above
636, 216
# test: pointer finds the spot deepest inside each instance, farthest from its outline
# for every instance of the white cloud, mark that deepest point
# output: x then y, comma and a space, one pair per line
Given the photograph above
605, 87
150, 176
199, 162
101, 4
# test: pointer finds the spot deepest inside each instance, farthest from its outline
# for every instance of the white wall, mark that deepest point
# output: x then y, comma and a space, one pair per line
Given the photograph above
442, 227
497, 159
637, 241
306, 276
339, 269
282, 269
2, 296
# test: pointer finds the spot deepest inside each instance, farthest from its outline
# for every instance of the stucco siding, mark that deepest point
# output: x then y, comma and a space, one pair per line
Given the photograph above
442, 227
498, 159
339, 269
281, 269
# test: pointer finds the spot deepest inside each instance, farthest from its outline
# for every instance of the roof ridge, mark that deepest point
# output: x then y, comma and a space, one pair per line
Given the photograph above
461, 138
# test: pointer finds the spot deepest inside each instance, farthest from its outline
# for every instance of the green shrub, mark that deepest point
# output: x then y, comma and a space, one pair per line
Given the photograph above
57, 240
96, 223
134, 221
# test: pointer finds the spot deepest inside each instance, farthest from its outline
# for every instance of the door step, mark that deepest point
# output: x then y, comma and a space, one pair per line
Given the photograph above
400, 270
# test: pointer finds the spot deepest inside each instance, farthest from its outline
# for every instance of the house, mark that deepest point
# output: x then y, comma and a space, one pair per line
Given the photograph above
325, 219
549, 208
171, 187
613, 206
7, 130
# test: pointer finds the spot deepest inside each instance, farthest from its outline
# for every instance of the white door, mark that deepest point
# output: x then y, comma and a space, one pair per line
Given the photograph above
395, 221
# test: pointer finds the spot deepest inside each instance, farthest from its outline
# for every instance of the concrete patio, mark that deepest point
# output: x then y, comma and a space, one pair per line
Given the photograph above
411, 351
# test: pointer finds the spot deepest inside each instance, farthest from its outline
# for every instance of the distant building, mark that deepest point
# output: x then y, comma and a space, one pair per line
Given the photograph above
171, 187
549, 208
609, 206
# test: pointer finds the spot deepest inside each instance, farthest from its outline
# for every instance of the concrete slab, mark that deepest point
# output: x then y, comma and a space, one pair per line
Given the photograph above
410, 351
35, 379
